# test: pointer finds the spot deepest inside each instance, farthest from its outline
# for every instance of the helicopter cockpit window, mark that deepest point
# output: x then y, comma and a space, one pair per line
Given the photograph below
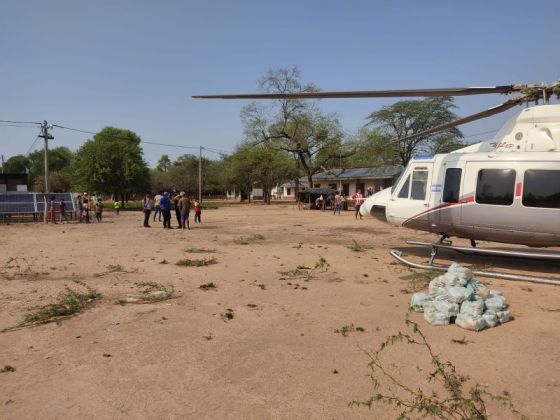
419, 185
452, 185
495, 186
403, 193
541, 188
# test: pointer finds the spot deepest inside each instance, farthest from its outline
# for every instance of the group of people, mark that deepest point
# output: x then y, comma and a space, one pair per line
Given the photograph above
339, 199
339, 202
86, 204
162, 205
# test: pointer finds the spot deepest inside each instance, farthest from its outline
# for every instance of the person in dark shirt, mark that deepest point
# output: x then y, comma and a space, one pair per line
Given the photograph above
176, 198
165, 204
62, 210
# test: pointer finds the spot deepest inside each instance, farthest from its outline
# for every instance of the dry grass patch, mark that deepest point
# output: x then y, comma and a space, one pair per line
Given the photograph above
17, 267
149, 292
357, 247
246, 240
186, 262
69, 303
195, 250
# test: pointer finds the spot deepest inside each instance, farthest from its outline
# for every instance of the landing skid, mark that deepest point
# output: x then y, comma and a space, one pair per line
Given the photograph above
491, 252
502, 276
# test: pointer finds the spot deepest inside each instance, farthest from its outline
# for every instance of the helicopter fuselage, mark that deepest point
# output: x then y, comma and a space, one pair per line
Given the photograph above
505, 190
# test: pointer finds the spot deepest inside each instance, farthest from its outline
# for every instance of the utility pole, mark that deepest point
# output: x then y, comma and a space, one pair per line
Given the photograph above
200, 174
46, 136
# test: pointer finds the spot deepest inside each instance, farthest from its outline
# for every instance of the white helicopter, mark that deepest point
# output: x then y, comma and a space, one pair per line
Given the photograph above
503, 190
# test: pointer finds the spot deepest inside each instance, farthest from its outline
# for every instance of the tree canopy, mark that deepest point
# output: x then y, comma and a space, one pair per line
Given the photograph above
258, 166
111, 163
314, 139
405, 118
182, 175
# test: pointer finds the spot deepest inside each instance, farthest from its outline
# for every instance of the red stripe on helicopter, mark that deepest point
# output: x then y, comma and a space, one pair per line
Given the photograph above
464, 200
518, 189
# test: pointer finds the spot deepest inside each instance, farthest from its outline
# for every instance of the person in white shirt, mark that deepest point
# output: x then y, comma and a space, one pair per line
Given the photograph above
157, 208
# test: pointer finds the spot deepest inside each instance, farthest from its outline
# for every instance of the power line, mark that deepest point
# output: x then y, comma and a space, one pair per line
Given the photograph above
142, 141
33, 144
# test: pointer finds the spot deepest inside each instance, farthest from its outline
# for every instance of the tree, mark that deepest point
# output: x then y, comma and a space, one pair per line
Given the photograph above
164, 163
405, 118
252, 165
111, 163
314, 139
182, 175
373, 148
18, 164
60, 160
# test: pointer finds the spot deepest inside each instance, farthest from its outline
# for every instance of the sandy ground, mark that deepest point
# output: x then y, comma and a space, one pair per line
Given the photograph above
279, 357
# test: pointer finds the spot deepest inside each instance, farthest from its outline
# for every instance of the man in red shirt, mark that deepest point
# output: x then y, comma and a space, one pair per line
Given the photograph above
358, 200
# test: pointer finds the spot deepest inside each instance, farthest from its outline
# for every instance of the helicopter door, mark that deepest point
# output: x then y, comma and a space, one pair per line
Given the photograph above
446, 214
411, 197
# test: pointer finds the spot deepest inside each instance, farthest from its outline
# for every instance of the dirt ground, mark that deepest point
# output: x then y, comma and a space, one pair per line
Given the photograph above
279, 356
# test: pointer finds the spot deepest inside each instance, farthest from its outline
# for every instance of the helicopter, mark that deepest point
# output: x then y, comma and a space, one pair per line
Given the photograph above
505, 190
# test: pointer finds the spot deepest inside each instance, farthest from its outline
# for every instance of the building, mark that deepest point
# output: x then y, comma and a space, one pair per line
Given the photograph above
13, 183
347, 180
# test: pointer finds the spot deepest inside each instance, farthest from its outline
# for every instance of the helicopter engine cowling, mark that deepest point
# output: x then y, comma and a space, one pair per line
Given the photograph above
376, 204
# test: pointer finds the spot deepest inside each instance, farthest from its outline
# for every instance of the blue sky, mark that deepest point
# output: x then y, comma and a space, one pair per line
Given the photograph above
135, 64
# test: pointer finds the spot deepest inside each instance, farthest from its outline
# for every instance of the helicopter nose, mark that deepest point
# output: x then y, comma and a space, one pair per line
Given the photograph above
379, 213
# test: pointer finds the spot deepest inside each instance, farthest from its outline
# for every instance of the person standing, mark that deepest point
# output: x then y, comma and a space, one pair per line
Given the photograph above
337, 203
62, 210
98, 210
81, 208
197, 211
51, 210
358, 200
184, 205
165, 204
157, 207
147, 209
86, 208
117, 206
176, 198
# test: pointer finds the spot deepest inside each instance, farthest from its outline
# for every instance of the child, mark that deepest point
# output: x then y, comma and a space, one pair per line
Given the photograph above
98, 209
51, 210
197, 211
117, 206
62, 210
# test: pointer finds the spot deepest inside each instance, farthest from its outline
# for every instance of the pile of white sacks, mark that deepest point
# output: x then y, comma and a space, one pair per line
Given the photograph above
456, 296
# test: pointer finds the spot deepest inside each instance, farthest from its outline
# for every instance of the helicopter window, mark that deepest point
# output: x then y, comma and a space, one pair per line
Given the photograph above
495, 186
541, 188
403, 193
452, 185
419, 183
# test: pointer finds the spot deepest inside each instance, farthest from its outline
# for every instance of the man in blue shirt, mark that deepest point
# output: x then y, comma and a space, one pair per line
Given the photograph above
165, 204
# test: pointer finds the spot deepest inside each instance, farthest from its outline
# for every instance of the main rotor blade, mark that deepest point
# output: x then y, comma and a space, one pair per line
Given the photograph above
478, 116
370, 93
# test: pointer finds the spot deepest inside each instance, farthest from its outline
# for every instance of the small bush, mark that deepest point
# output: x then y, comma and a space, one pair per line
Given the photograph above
227, 315
412, 400
207, 286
